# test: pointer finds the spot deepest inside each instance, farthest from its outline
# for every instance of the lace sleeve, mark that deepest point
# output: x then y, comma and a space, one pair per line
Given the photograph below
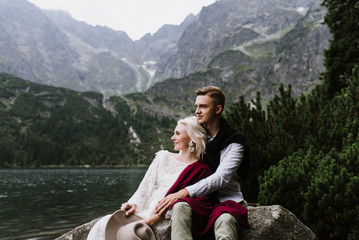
146, 187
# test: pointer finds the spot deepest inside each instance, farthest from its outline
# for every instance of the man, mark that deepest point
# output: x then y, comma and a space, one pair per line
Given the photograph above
226, 151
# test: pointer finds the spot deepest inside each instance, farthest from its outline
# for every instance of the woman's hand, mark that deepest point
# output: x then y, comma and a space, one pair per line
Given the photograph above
130, 208
166, 202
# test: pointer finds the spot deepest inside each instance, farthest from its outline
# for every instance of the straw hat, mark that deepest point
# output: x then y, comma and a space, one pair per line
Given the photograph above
122, 227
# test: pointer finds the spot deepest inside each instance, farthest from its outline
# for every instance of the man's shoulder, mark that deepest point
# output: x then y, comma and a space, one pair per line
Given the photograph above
235, 137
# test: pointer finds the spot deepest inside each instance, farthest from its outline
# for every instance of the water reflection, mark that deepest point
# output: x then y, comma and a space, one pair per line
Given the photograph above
45, 203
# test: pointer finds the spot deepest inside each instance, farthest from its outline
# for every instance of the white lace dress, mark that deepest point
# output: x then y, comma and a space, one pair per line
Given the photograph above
160, 176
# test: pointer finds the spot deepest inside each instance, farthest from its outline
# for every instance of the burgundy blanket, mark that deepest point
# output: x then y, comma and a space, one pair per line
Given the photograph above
190, 175
205, 210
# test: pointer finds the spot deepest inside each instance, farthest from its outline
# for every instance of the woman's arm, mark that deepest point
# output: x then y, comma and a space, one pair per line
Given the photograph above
152, 220
146, 187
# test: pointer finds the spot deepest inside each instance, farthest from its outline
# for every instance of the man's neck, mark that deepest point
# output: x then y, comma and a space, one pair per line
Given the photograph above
213, 127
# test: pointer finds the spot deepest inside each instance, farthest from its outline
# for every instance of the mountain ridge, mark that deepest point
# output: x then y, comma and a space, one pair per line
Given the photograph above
47, 46
220, 23
262, 67
64, 52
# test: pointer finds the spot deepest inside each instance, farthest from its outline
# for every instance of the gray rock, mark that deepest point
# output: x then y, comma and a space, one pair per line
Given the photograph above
267, 222
80, 232
274, 223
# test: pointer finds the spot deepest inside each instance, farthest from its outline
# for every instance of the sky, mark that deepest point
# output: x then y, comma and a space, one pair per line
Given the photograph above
135, 17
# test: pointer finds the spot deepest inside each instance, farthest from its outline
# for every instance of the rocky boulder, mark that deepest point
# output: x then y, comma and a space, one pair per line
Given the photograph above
79, 233
267, 222
275, 223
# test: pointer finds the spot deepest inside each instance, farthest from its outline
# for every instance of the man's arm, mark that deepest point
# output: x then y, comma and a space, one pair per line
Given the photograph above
231, 158
167, 201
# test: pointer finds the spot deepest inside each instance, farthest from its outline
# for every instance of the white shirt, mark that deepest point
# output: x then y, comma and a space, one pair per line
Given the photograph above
225, 179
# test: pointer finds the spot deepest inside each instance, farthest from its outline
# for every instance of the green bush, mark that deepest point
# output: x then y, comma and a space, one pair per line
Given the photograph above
286, 183
320, 182
321, 189
332, 202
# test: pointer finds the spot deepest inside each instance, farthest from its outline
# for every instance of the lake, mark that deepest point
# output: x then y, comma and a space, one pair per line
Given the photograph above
46, 203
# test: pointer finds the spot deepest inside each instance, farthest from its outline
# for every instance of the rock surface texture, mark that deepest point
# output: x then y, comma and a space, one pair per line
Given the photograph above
80, 232
275, 223
267, 222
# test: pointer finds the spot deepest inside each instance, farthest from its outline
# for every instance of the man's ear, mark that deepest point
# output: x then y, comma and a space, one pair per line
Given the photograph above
219, 109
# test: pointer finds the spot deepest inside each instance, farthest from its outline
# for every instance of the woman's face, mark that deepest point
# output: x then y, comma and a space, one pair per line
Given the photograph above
180, 138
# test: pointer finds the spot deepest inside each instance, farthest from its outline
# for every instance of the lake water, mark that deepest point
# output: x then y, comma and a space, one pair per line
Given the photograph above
46, 203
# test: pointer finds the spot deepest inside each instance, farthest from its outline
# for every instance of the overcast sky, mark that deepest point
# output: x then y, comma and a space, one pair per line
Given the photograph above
135, 17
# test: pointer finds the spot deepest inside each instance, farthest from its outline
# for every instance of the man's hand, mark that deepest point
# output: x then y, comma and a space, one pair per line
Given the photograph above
166, 202
129, 208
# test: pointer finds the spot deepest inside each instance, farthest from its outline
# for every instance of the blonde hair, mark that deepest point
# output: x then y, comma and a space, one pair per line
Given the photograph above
196, 133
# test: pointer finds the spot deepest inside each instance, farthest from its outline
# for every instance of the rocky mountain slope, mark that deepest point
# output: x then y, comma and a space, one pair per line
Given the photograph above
52, 48
293, 57
232, 24
243, 46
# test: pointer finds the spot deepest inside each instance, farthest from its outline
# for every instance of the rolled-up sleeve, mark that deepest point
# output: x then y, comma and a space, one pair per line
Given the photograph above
230, 159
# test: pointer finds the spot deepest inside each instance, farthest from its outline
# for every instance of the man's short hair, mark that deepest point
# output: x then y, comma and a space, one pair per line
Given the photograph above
216, 93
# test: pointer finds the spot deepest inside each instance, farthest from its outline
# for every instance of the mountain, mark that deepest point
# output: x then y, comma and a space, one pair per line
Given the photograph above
155, 50
50, 47
295, 57
243, 46
35, 48
232, 24
299, 54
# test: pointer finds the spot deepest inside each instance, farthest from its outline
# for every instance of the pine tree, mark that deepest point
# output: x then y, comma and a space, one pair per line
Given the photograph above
343, 53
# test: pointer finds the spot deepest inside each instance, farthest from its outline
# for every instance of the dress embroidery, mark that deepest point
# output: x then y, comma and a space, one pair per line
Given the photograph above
160, 176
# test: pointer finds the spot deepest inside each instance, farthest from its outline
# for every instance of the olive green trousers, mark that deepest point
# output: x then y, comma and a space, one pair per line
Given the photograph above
225, 227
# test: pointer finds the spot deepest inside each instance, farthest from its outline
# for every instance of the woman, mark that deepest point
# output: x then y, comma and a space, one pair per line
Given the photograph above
168, 173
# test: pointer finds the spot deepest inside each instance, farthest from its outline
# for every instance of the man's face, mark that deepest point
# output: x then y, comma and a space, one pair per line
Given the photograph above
206, 111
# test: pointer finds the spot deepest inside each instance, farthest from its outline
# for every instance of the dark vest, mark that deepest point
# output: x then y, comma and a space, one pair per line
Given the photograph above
227, 135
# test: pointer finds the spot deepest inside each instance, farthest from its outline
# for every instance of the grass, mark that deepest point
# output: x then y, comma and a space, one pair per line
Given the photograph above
260, 50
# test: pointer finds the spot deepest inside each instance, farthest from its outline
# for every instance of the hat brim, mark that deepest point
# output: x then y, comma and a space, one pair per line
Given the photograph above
118, 220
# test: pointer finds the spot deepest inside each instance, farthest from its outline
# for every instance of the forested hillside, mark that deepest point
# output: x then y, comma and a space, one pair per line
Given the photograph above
42, 125
305, 151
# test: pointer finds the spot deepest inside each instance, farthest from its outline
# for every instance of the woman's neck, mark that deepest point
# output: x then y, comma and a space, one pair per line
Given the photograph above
187, 157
